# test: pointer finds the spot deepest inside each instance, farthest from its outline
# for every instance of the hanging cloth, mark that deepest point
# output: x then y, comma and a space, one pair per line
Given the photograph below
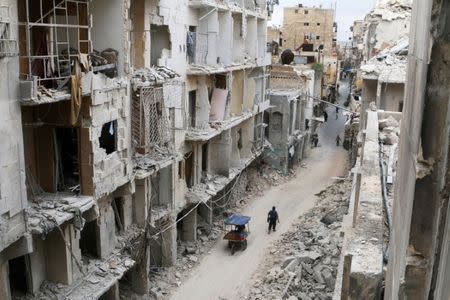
75, 89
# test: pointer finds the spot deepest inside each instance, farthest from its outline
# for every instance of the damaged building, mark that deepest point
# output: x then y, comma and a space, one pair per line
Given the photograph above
396, 235
119, 143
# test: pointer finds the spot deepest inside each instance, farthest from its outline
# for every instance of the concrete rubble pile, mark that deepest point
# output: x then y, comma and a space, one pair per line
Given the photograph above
303, 264
251, 183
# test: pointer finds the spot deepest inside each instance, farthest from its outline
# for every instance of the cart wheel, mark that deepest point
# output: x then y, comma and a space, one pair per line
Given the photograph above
244, 245
232, 249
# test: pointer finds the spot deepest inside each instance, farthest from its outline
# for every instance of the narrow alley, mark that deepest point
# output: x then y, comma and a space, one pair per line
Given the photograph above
219, 271
145, 142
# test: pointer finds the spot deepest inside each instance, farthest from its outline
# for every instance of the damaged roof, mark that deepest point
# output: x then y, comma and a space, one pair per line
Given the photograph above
389, 65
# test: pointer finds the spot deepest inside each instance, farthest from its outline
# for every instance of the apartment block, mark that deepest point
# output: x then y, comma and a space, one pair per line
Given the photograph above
124, 122
309, 29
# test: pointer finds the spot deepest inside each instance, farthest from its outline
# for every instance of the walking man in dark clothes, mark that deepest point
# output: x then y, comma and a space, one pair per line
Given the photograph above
338, 140
325, 116
272, 219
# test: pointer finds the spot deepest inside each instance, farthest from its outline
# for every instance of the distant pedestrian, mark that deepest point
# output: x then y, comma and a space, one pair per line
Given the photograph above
272, 219
325, 116
337, 112
316, 139
338, 140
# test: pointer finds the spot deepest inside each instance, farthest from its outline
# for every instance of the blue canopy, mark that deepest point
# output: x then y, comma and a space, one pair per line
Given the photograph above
237, 220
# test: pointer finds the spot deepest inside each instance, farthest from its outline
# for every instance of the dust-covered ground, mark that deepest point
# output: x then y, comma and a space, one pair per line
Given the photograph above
303, 263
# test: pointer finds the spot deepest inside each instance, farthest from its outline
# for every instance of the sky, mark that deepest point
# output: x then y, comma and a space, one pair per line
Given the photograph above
347, 11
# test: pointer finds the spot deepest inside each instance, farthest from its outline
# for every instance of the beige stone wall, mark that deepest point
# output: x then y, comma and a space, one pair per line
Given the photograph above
273, 34
301, 21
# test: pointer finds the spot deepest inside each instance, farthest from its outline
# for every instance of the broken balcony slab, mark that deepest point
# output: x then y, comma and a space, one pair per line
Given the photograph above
216, 69
203, 192
152, 76
199, 135
100, 277
146, 165
51, 210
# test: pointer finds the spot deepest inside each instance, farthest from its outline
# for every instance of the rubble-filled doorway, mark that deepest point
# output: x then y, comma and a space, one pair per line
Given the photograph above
66, 159
89, 240
19, 282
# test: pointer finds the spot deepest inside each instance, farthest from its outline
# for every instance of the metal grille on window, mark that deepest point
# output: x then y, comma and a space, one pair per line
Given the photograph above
150, 123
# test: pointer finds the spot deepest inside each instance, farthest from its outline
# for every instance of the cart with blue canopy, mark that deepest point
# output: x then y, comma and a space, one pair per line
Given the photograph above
237, 236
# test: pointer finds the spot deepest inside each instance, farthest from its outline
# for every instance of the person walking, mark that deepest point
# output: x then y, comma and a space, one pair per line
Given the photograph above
337, 112
272, 219
338, 140
325, 116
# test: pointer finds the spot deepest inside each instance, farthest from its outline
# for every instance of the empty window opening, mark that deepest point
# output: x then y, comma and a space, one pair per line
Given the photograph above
306, 24
318, 37
188, 167
318, 24
306, 12
160, 43
239, 138
66, 159
117, 205
18, 280
88, 240
280, 41
192, 108
205, 157
296, 11
220, 81
108, 137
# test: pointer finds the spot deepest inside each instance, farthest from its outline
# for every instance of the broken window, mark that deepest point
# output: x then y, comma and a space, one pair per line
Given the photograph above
306, 24
318, 37
205, 157
66, 159
266, 120
18, 279
306, 12
89, 240
159, 43
108, 137
52, 34
318, 24
192, 108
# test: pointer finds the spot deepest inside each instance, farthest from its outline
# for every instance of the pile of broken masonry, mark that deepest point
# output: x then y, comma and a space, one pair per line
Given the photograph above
303, 264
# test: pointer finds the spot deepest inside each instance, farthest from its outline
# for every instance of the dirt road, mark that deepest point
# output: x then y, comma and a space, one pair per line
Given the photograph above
222, 276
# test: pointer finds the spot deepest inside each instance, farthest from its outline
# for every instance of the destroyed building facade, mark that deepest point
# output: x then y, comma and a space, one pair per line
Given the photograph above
311, 28
119, 143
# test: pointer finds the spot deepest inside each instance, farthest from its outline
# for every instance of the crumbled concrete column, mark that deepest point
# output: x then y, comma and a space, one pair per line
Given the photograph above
190, 227
106, 228
127, 211
58, 258
139, 274
112, 293
140, 202
206, 214
169, 246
